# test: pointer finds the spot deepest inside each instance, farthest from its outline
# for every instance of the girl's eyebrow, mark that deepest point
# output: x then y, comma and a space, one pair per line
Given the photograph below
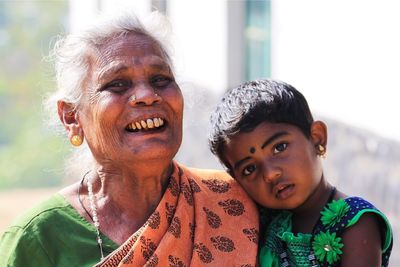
273, 137
240, 162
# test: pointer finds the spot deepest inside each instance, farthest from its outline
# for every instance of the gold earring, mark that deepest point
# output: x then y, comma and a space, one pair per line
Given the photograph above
321, 151
76, 140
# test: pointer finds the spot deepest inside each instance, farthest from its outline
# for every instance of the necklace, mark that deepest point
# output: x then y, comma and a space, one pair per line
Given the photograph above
93, 209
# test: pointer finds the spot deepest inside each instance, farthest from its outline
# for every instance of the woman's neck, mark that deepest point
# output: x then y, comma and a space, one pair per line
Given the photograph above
142, 184
126, 197
306, 216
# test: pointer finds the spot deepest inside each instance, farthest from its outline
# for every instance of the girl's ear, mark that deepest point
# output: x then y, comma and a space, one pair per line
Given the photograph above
69, 118
319, 134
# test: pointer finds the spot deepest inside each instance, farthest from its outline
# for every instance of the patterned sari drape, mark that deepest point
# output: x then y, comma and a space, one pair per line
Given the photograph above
204, 218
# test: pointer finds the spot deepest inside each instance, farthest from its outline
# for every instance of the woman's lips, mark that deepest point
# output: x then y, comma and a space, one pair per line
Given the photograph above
284, 191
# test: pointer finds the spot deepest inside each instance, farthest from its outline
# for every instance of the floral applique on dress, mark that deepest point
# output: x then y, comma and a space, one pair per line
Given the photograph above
324, 246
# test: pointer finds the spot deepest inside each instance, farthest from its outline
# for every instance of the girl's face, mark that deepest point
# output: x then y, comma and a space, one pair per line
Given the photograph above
276, 164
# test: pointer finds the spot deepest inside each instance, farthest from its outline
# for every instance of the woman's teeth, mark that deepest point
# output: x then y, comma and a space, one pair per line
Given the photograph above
146, 124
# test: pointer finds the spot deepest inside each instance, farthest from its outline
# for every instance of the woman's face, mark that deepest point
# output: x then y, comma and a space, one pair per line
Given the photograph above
129, 83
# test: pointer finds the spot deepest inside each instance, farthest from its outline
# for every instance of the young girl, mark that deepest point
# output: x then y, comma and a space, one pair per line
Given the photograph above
264, 134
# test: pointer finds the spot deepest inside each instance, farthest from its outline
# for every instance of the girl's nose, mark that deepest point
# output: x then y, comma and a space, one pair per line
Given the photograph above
144, 95
271, 173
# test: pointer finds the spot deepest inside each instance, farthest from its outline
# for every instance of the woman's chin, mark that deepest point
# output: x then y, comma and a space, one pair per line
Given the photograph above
153, 151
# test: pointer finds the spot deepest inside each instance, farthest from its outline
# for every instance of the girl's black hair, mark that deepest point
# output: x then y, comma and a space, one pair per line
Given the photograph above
243, 108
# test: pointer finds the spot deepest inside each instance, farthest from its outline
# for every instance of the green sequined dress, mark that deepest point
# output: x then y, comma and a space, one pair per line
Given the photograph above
323, 247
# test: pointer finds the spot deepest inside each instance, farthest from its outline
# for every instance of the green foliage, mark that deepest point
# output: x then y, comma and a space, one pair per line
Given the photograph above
30, 155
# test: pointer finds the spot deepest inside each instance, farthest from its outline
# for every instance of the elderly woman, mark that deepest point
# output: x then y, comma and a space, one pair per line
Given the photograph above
134, 205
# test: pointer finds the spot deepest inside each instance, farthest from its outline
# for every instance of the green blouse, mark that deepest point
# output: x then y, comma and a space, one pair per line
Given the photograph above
324, 245
52, 234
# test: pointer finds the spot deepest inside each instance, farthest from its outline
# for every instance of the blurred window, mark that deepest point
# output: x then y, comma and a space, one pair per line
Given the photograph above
257, 39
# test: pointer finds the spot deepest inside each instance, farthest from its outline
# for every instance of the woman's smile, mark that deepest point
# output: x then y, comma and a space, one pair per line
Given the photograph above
150, 124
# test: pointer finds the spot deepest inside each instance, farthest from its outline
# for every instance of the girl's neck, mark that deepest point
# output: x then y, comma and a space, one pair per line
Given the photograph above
307, 215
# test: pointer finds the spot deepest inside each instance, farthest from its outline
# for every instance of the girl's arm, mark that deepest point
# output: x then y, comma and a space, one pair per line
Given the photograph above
362, 243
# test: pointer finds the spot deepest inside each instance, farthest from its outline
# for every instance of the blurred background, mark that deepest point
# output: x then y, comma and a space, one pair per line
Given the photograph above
343, 55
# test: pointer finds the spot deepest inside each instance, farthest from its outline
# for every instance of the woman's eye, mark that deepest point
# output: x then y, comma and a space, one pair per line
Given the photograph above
280, 147
160, 81
248, 170
117, 86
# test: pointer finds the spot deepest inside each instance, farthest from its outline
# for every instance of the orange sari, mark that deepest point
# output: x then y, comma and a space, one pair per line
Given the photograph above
204, 218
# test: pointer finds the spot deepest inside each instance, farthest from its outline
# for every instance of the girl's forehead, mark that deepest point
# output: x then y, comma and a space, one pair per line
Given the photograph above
262, 135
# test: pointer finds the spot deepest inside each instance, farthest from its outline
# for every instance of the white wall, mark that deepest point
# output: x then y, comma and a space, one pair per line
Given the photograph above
82, 12
199, 35
200, 31
344, 55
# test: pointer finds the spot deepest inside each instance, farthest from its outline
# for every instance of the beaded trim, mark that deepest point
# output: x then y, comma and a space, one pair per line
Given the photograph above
95, 218
93, 209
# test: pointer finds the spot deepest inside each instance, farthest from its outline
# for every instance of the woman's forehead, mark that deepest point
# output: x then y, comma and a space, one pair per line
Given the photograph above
127, 45
129, 50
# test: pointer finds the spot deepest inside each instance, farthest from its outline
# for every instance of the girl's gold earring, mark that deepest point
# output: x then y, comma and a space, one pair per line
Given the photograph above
76, 140
321, 151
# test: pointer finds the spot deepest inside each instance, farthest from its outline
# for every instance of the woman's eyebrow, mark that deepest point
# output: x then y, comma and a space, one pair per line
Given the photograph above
273, 137
113, 70
159, 66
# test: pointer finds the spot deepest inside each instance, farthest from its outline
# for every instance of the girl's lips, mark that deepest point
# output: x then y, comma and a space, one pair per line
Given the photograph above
284, 191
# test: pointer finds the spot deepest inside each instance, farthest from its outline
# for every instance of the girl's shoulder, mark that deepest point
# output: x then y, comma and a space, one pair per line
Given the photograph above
343, 213
339, 215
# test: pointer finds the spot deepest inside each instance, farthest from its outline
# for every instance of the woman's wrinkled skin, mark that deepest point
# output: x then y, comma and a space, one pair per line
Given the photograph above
126, 161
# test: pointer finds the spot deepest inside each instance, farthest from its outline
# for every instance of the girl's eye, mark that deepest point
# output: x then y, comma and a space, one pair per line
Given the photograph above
248, 170
280, 147
117, 86
160, 81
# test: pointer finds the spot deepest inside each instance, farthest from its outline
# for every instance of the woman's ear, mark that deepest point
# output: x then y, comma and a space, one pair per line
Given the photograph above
67, 114
319, 134
69, 118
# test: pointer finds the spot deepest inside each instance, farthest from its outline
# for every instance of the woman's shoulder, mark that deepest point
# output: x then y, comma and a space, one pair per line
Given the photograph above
214, 181
42, 211
208, 174
54, 233
217, 186
24, 234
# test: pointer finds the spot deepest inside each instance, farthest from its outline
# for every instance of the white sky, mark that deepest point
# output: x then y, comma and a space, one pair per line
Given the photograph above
344, 55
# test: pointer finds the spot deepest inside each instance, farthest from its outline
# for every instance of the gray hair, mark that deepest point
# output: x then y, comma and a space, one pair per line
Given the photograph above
71, 62
71, 59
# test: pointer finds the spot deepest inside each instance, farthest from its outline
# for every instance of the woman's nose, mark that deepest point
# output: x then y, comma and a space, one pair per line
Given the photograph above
144, 95
271, 174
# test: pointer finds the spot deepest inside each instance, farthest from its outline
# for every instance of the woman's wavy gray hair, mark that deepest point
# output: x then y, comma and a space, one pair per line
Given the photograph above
71, 52
71, 62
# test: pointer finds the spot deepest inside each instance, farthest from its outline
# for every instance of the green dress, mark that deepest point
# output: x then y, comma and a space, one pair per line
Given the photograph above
281, 247
52, 234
